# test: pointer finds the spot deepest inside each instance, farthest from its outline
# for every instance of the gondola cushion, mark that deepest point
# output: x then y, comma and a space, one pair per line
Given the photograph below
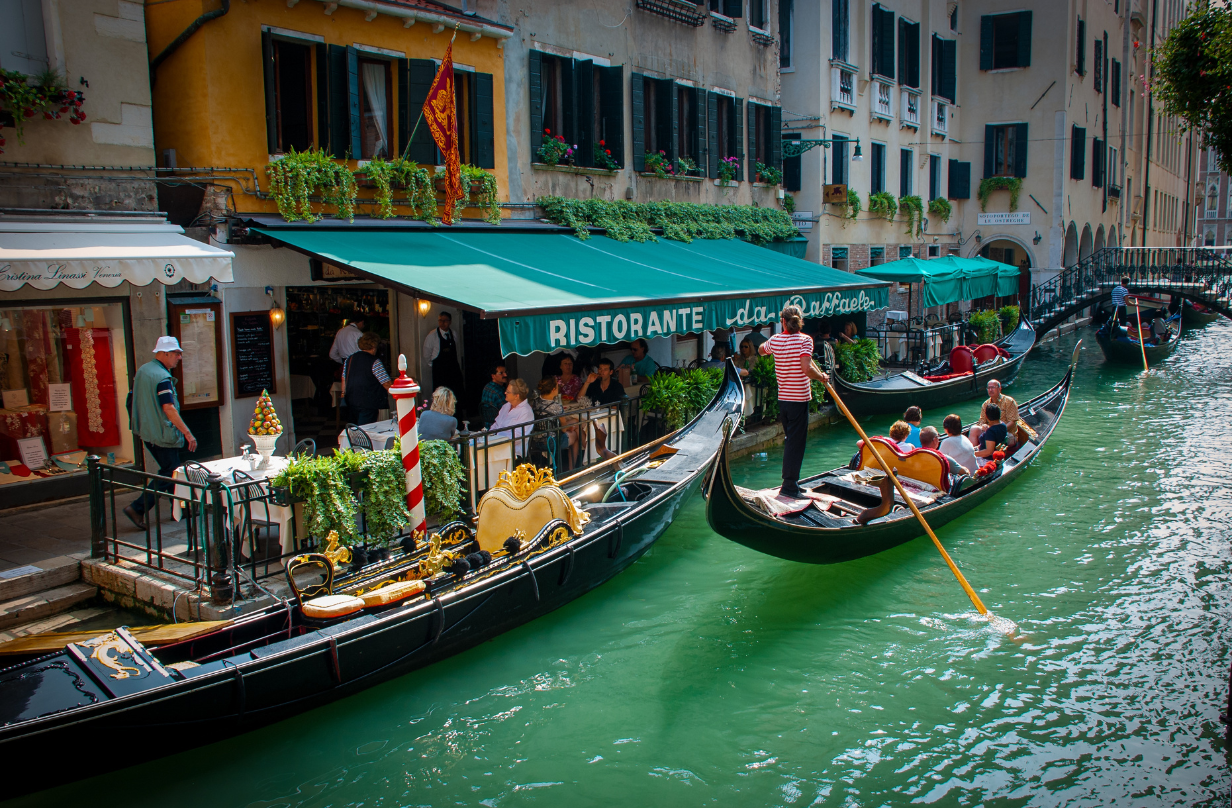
962, 359
392, 593
926, 465
986, 352
329, 606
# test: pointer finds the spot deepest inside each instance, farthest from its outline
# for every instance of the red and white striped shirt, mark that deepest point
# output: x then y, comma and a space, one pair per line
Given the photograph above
787, 349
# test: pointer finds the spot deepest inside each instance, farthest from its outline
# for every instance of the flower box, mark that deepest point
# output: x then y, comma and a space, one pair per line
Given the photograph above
568, 169
475, 190
681, 177
281, 495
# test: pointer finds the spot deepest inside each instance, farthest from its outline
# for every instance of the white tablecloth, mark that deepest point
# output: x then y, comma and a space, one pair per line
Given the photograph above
261, 511
302, 387
381, 433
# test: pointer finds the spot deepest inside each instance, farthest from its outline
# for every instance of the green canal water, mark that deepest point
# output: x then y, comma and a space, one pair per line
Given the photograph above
709, 675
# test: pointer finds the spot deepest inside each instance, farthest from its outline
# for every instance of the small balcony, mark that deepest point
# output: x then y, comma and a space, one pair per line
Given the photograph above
940, 118
883, 106
911, 108
842, 86
1114, 191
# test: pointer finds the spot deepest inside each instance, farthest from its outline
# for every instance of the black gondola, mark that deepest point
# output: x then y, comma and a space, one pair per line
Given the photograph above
1197, 314
121, 703
815, 536
1119, 349
898, 392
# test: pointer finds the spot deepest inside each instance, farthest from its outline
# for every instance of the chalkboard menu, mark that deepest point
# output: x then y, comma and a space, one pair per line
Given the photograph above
252, 350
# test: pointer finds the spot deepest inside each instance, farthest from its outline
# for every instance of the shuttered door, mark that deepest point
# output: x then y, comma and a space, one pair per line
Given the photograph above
840, 31
1077, 153
775, 150
420, 73
485, 121
883, 41
1097, 162
637, 92
271, 102
339, 103
949, 70
611, 111
712, 135
535, 82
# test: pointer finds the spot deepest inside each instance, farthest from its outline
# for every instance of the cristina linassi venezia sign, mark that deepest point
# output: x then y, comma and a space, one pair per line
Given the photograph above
548, 332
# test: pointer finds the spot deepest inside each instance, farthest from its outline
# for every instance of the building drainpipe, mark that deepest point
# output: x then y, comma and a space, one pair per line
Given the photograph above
184, 36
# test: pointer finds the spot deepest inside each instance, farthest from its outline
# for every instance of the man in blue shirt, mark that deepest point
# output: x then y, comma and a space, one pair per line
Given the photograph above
643, 365
493, 397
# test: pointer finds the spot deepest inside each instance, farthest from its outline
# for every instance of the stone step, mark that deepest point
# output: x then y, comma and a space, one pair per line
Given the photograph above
67, 621
20, 581
44, 604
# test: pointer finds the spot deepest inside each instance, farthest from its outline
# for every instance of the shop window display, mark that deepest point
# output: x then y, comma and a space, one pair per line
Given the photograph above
64, 377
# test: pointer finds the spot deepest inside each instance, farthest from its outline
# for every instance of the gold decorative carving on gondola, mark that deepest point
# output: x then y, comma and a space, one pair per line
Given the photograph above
336, 555
524, 480
527, 500
105, 643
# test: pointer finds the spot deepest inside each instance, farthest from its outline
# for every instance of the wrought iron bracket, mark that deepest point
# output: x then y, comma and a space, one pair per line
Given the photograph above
795, 148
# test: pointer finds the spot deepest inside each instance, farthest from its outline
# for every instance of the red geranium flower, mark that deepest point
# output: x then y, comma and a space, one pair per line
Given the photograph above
607, 151
601, 143
547, 131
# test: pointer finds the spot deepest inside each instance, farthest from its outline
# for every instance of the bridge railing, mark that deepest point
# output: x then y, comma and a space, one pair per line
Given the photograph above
1202, 272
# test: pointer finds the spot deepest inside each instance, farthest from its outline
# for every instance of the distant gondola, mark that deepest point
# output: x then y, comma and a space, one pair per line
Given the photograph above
1122, 350
1196, 314
831, 536
898, 392
121, 703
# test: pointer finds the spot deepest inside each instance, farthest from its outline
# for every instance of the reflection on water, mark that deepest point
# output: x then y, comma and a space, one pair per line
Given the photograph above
707, 673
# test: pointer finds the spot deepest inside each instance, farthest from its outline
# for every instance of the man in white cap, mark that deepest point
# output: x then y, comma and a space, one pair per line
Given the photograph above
156, 421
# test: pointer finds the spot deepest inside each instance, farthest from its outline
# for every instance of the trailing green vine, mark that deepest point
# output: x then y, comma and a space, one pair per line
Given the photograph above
295, 177
789, 203
384, 501
486, 199
913, 208
990, 184
941, 208
406, 174
24, 97
853, 203
883, 204
442, 478
680, 221
329, 503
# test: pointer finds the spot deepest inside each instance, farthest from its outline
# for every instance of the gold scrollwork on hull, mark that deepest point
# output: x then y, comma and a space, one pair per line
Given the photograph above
525, 480
112, 642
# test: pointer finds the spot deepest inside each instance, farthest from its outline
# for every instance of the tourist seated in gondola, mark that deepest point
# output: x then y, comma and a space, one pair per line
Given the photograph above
957, 447
913, 416
994, 435
1006, 405
1159, 328
899, 432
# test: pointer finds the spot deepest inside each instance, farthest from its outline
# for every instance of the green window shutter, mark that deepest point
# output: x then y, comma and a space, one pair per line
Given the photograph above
791, 166
612, 111
949, 70
1097, 60
986, 42
990, 139
568, 105
485, 121
752, 127
1081, 57
883, 41
960, 180
775, 150
905, 171
840, 31
699, 128
1097, 162
1021, 144
1114, 83
584, 98
1077, 152
673, 128
733, 8
322, 70
1024, 39
339, 103
402, 68
738, 115
712, 135
637, 93
271, 103
352, 62
421, 72
535, 80
909, 49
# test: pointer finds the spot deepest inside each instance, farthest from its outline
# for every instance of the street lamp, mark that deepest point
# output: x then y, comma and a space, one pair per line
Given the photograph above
858, 157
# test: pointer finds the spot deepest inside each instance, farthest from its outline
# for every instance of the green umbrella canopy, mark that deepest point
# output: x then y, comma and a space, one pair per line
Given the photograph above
943, 278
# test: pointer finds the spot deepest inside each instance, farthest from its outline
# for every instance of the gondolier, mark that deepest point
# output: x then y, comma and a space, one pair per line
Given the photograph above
793, 367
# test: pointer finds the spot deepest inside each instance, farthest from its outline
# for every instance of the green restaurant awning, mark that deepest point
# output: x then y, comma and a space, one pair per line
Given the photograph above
949, 279
551, 290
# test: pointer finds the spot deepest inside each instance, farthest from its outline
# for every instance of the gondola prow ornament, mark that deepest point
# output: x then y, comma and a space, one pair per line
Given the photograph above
403, 390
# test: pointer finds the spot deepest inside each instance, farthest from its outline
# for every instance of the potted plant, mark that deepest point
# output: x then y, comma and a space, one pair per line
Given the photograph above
768, 174
480, 190
554, 149
385, 175
883, 204
603, 157
913, 207
728, 168
685, 167
297, 175
659, 165
24, 97
941, 208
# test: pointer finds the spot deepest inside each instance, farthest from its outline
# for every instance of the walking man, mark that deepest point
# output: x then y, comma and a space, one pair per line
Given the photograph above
793, 367
155, 419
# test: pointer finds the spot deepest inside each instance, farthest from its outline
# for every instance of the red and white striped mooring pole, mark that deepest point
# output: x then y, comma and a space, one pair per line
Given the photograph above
403, 390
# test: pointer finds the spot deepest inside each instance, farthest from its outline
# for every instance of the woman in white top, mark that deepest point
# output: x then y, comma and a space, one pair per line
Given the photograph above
957, 447
517, 411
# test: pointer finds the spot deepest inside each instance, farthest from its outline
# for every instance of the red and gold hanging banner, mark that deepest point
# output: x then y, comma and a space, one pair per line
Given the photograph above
441, 112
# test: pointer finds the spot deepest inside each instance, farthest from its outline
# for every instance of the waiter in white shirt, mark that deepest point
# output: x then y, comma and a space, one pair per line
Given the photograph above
346, 341
440, 348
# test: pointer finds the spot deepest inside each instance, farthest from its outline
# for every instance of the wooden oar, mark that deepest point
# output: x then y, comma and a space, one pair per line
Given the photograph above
975, 599
1141, 339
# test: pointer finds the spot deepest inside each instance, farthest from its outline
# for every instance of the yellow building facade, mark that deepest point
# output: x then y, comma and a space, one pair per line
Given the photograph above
257, 78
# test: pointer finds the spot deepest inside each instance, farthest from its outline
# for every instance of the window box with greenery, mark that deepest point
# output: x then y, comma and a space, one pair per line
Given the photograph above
729, 168
912, 207
941, 208
297, 176
555, 149
990, 184
883, 204
680, 221
385, 175
481, 189
768, 174
24, 98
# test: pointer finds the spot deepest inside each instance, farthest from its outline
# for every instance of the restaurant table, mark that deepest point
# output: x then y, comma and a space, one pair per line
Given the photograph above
302, 387
383, 434
280, 515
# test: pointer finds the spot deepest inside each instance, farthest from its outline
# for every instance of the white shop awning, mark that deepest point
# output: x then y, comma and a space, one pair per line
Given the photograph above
76, 254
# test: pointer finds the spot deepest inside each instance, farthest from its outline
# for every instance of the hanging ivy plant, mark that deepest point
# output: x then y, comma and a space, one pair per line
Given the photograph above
680, 221
941, 208
485, 198
384, 502
295, 177
853, 204
789, 203
421, 196
913, 208
990, 184
883, 204
859, 361
442, 478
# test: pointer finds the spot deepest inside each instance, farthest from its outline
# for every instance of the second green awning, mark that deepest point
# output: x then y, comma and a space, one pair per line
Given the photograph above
552, 290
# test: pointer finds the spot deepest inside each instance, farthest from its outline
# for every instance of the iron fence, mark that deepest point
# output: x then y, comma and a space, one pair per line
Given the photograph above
915, 347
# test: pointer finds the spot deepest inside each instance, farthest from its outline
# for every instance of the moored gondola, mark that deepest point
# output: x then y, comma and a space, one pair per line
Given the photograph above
1118, 348
944, 383
825, 531
536, 545
1196, 314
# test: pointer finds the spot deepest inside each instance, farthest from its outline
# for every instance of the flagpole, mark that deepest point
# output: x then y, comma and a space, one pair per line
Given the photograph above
415, 128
